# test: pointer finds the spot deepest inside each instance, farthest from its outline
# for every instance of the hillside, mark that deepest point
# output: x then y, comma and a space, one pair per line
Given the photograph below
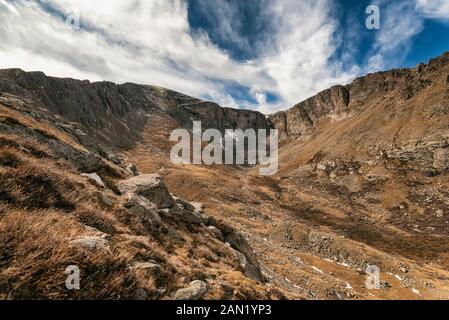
363, 180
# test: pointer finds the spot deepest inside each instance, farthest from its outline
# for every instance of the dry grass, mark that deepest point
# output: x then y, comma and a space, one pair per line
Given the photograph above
13, 117
45, 204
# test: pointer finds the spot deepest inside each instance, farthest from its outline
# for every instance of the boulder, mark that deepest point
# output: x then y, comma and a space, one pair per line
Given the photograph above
94, 232
195, 291
441, 159
115, 159
91, 243
143, 208
186, 212
149, 186
216, 232
104, 199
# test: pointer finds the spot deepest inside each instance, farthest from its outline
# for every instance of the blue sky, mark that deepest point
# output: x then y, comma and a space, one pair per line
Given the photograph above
264, 55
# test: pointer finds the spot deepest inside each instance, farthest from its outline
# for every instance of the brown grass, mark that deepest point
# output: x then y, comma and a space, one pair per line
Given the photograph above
45, 204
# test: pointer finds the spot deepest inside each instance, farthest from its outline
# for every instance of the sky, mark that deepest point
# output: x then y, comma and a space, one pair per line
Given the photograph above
264, 55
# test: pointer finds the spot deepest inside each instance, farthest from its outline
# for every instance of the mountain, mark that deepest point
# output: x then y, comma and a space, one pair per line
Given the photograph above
86, 180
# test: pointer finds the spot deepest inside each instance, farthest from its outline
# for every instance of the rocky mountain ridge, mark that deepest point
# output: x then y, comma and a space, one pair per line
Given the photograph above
363, 180
102, 110
341, 101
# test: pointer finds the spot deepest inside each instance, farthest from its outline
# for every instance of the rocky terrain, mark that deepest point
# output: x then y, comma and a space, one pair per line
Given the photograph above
86, 180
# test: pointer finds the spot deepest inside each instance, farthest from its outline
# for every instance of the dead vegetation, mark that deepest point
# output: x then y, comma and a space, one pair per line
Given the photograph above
45, 205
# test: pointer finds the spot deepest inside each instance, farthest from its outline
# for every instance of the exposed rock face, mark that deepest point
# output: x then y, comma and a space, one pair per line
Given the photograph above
298, 120
212, 116
423, 155
98, 111
338, 101
149, 186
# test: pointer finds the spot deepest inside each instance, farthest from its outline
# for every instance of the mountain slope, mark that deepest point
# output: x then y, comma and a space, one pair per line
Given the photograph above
363, 181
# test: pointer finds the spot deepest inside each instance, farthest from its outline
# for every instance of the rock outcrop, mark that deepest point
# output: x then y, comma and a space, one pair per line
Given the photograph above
339, 101
302, 117
95, 112
143, 208
149, 186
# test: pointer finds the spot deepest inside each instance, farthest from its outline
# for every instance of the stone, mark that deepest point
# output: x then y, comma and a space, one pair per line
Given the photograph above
185, 211
227, 288
91, 243
143, 208
216, 232
115, 159
375, 178
441, 159
104, 199
404, 269
149, 186
195, 291
94, 232
198, 207
94, 178
439, 213
131, 168
242, 259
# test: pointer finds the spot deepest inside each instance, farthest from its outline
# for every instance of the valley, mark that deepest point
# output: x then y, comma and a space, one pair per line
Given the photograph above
362, 181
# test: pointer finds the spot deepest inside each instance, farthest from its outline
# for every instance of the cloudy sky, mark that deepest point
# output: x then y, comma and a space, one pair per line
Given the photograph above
265, 55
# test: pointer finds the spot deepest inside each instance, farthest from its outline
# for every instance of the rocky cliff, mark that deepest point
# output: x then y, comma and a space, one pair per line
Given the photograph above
114, 115
341, 101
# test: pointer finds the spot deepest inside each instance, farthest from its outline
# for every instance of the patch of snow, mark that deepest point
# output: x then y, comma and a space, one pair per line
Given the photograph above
344, 264
398, 277
416, 291
316, 269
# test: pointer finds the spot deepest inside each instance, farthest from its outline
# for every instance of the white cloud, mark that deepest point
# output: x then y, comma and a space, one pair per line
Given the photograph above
304, 45
434, 9
151, 42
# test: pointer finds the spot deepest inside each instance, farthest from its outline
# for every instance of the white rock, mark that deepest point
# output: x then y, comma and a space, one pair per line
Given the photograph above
95, 178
